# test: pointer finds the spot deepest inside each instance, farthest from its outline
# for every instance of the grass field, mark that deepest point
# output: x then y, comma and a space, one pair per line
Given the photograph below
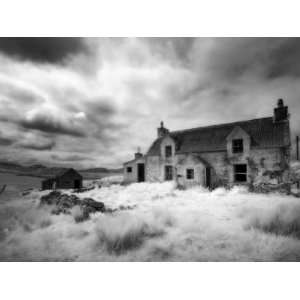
156, 222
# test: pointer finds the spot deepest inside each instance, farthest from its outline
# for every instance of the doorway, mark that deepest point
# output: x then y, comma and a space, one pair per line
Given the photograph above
208, 177
77, 184
141, 172
168, 173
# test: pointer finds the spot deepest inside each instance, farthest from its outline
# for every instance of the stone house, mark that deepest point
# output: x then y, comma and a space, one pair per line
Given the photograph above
245, 152
63, 179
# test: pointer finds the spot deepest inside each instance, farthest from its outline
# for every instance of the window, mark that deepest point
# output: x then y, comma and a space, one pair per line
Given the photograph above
240, 173
168, 151
129, 169
237, 146
189, 173
168, 172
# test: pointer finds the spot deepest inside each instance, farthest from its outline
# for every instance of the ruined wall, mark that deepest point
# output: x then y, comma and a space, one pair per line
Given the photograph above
263, 165
268, 166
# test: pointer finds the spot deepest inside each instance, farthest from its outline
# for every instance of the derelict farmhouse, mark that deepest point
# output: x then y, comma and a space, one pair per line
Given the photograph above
235, 153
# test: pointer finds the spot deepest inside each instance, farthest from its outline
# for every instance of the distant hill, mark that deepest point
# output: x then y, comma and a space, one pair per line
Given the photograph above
42, 171
102, 170
97, 173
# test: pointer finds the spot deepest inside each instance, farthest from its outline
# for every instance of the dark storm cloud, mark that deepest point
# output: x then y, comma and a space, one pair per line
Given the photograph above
6, 141
42, 49
49, 124
72, 157
100, 113
285, 59
270, 58
40, 146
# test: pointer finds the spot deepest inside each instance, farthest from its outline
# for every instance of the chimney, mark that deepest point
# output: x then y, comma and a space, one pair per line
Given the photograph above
138, 154
281, 112
162, 131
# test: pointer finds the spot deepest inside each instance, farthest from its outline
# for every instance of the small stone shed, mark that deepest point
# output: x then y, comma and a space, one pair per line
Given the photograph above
63, 179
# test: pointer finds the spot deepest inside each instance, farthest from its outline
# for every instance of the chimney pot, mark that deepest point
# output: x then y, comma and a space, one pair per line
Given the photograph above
280, 103
138, 154
162, 131
280, 112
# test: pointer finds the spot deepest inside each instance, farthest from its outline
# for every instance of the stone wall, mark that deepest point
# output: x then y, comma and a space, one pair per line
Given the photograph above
153, 169
263, 165
189, 161
219, 167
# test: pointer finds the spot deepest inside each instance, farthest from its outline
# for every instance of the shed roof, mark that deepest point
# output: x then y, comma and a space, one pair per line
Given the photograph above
58, 172
264, 133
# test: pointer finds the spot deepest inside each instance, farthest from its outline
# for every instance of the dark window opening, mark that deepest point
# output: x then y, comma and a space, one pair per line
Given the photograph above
237, 146
240, 173
129, 169
168, 173
189, 173
168, 151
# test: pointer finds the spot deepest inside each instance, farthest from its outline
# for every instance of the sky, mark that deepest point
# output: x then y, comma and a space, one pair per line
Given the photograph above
90, 102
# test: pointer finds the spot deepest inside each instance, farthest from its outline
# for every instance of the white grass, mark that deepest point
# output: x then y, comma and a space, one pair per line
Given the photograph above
163, 224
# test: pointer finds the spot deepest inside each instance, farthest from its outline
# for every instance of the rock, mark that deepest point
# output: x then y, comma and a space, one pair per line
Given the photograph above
266, 188
91, 203
65, 203
83, 189
51, 198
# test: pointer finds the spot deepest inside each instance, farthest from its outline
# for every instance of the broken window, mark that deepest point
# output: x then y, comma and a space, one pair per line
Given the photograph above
168, 151
168, 173
129, 169
189, 173
240, 173
237, 146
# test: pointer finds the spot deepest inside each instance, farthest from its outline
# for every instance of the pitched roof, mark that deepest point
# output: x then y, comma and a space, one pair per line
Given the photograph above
264, 133
133, 160
58, 172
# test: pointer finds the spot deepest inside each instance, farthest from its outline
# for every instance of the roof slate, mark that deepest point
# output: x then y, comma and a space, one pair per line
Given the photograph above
264, 133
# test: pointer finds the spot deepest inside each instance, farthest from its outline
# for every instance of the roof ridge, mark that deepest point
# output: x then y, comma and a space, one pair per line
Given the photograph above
217, 125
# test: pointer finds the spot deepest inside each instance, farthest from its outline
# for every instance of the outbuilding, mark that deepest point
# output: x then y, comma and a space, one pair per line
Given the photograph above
64, 179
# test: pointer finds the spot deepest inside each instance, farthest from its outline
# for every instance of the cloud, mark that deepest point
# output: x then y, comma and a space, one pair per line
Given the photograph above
80, 115
49, 122
40, 146
71, 157
104, 98
285, 59
4, 141
42, 50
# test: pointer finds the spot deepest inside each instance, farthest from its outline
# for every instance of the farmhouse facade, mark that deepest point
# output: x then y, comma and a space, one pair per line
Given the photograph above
243, 152
63, 179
